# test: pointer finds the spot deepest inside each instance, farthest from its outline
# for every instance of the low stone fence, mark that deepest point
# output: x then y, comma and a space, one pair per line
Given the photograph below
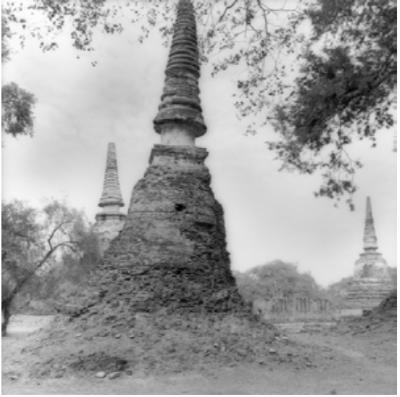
296, 308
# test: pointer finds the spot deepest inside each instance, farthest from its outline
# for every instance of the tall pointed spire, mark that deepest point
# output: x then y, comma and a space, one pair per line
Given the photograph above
109, 221
171, 254
180, 119
111, 190
370, 240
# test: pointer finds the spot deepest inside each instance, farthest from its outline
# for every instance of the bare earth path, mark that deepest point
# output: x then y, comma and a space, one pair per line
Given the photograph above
362, 364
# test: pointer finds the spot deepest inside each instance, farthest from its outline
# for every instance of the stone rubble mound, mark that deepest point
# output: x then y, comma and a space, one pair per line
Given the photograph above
161, 343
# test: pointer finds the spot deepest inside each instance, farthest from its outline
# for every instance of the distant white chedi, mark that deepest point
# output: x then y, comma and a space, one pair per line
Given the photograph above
372, 280
110, 221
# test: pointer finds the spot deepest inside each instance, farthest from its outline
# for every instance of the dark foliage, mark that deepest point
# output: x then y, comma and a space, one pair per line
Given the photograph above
345, 91
17, 110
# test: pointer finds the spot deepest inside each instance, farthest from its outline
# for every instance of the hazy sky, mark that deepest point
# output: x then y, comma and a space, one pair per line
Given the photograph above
269, 214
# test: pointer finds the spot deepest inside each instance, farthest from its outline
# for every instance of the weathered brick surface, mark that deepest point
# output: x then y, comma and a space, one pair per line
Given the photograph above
171, 252
107, 227
367, 293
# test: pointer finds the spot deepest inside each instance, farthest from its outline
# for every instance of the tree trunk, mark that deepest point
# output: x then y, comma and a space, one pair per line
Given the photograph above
6, 314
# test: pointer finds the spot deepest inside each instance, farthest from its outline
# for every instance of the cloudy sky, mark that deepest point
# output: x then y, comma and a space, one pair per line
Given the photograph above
269, 214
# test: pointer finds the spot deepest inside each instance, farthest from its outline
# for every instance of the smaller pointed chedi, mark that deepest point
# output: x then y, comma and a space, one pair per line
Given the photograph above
109, 221
371, 281
179, 120
371, 262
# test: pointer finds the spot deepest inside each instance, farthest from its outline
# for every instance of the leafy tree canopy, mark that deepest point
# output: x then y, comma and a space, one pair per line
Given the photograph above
322, 72
17, 110
345, 90
30, 238
34, 240
17, 104
20, 242
276, 279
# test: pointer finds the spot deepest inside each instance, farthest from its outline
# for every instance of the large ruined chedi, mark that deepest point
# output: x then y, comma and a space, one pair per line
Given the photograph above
171, 252
164, 298
109, 221
371, 281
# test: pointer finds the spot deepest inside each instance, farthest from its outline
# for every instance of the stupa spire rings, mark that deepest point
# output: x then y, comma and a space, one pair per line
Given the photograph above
109, 221
370, 240
180, 120
111, 189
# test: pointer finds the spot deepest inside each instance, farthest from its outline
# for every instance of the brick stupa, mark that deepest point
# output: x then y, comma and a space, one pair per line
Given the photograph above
110, 220
164, 298
371, 281
171, 252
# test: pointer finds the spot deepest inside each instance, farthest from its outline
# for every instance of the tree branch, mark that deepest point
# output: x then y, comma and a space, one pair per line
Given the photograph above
52, 234
227, 8
70, 244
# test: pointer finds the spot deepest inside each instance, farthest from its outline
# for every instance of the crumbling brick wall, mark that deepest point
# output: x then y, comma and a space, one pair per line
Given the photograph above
171, 253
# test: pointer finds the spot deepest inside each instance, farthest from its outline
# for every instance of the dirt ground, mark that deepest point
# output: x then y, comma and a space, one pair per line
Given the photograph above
341, 364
